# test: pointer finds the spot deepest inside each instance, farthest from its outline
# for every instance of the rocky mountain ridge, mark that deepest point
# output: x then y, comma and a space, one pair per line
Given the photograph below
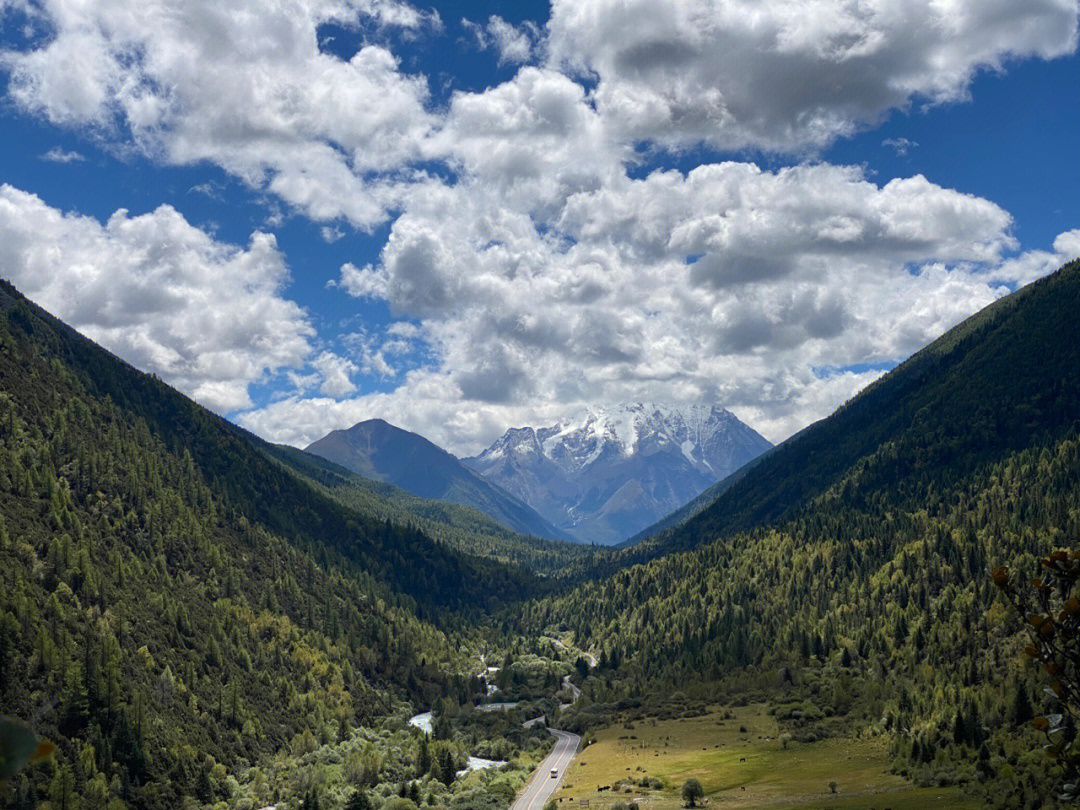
604, 474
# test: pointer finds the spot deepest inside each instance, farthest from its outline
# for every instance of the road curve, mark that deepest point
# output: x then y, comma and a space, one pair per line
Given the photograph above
568, 684
542, 785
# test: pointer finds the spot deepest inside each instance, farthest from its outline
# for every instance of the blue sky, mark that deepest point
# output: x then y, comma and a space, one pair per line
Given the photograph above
502, 212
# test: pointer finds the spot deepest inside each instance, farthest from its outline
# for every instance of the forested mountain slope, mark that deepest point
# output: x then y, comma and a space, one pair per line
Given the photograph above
695, 506
172, 598
227, 458
460, 527
1000, 381
863, 593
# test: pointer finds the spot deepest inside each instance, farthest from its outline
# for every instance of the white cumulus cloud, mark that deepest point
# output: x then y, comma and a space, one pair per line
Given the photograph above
778, 75
335, 374
207, 317
541, 265
514, 43
243, 85
729, 284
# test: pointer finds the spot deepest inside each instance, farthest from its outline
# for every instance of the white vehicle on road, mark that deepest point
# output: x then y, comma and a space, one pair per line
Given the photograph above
541, 788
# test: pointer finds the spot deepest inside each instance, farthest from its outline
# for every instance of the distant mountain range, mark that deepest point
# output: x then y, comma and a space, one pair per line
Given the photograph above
378, 450
600, 476
605, 474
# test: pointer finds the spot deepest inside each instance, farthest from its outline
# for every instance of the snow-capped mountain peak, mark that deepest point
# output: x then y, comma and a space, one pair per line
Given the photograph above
627, 429
642, 458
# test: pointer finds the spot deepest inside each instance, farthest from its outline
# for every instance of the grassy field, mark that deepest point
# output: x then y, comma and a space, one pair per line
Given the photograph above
741, 763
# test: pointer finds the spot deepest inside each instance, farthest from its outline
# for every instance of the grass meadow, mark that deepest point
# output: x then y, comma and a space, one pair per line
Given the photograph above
741, 762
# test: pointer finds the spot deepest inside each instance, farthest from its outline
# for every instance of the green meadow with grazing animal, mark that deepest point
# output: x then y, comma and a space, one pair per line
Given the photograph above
742, 757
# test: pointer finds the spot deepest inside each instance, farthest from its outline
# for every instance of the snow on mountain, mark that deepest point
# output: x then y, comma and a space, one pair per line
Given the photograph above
604, 474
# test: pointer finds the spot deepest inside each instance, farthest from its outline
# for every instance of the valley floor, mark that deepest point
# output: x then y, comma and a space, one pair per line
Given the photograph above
741, 761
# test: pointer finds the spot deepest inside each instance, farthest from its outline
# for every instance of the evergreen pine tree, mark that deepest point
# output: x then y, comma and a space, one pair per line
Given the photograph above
447, 769
423, 756
1021, 708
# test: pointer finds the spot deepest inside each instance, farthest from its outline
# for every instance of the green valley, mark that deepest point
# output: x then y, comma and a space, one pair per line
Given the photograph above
547, 405
199, 619
848, 570
177, 608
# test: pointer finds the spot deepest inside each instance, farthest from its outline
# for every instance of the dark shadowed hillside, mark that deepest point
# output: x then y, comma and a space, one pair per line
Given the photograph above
378, 450
460, 527
172, 598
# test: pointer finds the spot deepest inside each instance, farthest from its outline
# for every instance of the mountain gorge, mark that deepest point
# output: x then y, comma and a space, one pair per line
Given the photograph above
606, 474
999, 382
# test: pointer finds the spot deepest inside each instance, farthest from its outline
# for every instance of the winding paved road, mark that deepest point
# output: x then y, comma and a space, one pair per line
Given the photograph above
542, 785
568, 684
